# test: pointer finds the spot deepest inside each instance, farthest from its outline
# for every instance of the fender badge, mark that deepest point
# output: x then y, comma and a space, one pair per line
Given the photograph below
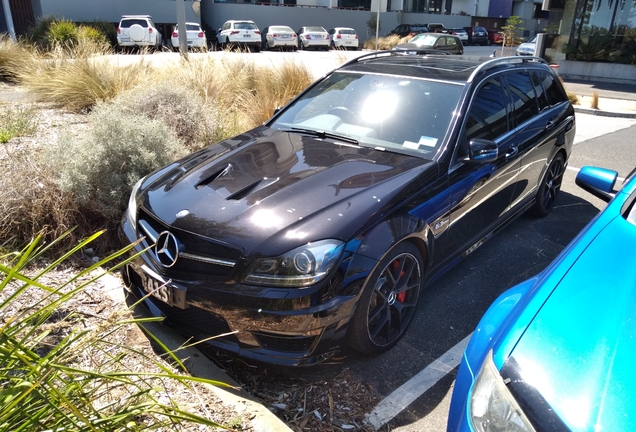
182, 214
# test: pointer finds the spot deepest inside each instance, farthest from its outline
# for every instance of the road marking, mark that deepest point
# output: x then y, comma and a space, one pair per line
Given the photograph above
408, 392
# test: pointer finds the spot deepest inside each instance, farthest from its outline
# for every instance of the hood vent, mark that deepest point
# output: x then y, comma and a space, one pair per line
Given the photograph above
256, 186
206, 181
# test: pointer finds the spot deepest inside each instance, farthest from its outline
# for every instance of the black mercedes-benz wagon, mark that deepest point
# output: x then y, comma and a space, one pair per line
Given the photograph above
319, 229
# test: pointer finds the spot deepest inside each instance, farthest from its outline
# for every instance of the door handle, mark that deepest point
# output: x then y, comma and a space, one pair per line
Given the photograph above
550, 124
512, 152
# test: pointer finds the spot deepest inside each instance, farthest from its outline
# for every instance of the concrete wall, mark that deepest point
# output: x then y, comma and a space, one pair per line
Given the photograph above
594, 71
213, 15
162, 11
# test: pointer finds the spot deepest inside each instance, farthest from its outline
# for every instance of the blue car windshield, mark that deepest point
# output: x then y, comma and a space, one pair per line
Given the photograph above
394, 113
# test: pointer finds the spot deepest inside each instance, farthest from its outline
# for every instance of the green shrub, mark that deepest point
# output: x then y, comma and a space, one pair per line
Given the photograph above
60, 374
16, 122
62, 33
179, 108
100, 167
38, 34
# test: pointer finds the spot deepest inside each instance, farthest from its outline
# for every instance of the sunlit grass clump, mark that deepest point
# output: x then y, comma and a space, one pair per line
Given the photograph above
60, 373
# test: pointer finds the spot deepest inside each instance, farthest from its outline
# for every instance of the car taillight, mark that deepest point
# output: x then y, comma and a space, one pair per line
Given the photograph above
234, 32
118, 29
149, 29
294, 35
356, 36
200, 34
274, 35
257, 32
307, 37
175, 34
339, 36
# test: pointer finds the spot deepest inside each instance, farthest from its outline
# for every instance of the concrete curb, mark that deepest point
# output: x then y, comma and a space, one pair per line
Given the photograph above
602, 113
260, 418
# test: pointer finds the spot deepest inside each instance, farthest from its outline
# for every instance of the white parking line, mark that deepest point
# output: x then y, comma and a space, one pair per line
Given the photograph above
408, 392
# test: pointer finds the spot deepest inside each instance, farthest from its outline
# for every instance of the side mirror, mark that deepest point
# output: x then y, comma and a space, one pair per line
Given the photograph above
482, 151
597, 181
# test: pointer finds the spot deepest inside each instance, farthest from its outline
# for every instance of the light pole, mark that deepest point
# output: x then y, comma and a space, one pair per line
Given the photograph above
377, 26
183, 31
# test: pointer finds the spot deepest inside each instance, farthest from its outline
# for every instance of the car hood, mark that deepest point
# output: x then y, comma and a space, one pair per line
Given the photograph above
269, 190
580, 348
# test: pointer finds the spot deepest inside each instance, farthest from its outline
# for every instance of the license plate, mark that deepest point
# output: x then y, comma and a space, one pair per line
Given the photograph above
247, 35
159, 288
125, 39
284, 36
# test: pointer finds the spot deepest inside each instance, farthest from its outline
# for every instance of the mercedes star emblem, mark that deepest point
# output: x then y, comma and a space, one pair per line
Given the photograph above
167, 249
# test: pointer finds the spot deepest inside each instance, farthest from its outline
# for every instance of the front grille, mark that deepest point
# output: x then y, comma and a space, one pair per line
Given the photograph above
285, 343
193, 244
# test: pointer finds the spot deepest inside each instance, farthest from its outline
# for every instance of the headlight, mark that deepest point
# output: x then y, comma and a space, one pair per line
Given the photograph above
492, 407
301, 267
131, 211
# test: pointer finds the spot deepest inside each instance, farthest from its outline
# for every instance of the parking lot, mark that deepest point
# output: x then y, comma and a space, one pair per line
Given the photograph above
415, 378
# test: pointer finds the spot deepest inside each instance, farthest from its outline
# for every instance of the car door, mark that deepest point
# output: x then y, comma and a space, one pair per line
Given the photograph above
541, 120
481, 192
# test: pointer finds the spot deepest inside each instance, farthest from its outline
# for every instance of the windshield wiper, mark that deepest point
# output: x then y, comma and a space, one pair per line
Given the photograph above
323, 134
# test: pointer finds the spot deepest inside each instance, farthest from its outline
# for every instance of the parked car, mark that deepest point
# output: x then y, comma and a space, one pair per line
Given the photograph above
461, 34
319, 228
428, 41
527, 48
278, 36
437, 28
313, 37
195, 34
243, 33
495, 36
477, 36
138, 31
557, 351
404, 30
343, 37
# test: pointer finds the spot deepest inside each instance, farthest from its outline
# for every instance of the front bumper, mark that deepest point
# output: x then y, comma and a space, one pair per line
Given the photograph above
284, 326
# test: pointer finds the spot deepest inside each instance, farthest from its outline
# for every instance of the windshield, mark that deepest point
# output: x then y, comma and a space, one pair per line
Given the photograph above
424, 39
394, 113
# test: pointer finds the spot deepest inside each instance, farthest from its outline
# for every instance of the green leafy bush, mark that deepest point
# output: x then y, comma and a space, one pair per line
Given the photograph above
100, 167
597, 48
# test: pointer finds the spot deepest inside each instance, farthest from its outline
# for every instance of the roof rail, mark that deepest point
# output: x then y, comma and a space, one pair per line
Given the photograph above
503, 60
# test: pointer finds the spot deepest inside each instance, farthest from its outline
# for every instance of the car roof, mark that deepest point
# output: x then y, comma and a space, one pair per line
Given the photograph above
135, 16
435, 67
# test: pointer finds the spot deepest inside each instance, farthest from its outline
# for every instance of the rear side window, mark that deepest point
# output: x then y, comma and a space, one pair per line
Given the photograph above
487, 117
542, 98
553, 91
131, 22
523, 98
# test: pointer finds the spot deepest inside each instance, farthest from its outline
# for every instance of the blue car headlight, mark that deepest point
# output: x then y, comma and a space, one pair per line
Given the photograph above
301, 267
492, 407
131, 211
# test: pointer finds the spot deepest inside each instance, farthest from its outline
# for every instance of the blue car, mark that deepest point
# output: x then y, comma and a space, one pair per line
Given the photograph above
557, 352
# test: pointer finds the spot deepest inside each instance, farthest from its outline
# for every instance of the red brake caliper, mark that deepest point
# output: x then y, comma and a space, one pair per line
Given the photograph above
401, 296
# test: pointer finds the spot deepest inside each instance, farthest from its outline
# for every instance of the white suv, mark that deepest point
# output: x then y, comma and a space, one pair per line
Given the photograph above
136, 31
239, 33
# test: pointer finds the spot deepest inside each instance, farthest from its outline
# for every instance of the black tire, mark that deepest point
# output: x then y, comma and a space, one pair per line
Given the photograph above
549, 187
388, 301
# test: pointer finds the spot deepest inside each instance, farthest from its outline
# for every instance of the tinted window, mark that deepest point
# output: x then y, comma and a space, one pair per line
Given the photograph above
193, 27
315, 29
245, 26
542, 98
130, 22
553, 89
487, 115
522, 94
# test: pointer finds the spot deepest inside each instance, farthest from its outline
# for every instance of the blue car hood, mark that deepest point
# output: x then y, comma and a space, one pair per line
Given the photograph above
585, 336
